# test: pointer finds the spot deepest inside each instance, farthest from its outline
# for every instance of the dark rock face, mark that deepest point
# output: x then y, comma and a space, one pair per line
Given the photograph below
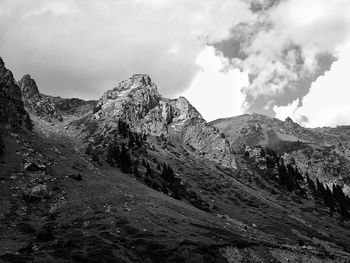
28, 87
36, 103
12, 110
73, 106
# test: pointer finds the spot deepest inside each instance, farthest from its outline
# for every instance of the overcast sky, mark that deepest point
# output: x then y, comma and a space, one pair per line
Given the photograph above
228, 57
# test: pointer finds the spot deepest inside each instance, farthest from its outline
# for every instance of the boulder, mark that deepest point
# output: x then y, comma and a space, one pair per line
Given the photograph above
76, 177
37, 192
31, 167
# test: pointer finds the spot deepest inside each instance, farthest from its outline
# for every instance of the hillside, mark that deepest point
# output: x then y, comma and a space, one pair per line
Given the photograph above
135, 177
323, 153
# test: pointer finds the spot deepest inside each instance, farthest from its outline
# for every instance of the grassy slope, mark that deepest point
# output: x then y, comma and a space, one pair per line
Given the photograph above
111, 217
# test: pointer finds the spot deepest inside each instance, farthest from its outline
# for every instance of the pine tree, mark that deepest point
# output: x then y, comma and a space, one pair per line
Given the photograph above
112, 155
136, 171
2, 146
148, 175
125, 160
168, 173
311, 184
341, 199
328, 198
269, 162
123, 128
282, 174
321, 191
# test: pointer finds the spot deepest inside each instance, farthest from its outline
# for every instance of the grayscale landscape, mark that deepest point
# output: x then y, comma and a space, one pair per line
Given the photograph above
102, 163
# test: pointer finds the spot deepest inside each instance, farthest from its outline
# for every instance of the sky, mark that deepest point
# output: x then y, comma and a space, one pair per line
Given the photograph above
228, 57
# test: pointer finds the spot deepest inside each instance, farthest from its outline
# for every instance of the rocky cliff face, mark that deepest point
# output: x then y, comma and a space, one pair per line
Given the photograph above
137, 102
73, 106
36, 103
12, 110
323, 153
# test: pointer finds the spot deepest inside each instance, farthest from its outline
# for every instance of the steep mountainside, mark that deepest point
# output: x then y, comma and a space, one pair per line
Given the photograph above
323, 153
73, 106
135, 177
263, 130
137, 102
12, 110
51, 108
37, 103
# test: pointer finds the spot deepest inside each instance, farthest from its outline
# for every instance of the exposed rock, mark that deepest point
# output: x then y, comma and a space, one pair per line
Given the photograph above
138, 102
12, 110
39, 104
73, 106
131, 99
37, 192
28, 87
323, 153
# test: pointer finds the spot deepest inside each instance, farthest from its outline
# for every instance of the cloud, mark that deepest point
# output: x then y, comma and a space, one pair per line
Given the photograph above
288, 47
215, 90
81, 48
327, 104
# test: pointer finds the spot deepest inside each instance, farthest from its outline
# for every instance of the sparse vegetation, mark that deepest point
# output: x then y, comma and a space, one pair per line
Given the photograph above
290, 177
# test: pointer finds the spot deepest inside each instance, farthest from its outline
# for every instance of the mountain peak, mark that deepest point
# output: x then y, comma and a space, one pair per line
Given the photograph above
136, 81
36, 103
289, 120
137, 102
142, 78
131, 99
28, 87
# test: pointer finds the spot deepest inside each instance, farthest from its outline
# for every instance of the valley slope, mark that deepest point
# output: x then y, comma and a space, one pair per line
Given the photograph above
135, 177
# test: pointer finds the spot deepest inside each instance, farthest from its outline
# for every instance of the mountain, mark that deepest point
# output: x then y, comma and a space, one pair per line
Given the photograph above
257, 129
50, 108
136, 177
12, 110
36, 103
138, 103
323, 153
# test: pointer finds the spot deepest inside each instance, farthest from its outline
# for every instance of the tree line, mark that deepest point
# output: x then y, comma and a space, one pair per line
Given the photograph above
292, 179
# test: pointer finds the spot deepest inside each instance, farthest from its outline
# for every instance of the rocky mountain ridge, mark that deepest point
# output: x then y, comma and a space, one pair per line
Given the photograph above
51, 108
135, 177
39, 104
12, 110
323, 153
137, 102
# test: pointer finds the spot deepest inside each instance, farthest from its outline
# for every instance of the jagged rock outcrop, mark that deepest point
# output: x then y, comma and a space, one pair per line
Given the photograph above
36, 103
131, 99
323, 153
137, 102
291, 127
12, 110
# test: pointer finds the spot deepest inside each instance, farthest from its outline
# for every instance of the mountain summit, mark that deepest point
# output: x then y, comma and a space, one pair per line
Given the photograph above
137, 102
37, 103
